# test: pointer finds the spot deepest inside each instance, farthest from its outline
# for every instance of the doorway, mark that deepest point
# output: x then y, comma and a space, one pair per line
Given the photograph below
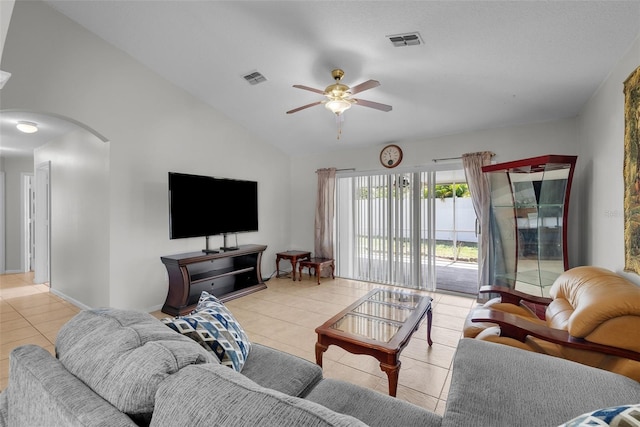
414, 229
27, 231
78, 158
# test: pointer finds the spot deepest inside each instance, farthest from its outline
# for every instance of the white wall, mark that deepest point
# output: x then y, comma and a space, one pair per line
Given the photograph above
79, 201
14, 167
601, 134
153, 127
559, 137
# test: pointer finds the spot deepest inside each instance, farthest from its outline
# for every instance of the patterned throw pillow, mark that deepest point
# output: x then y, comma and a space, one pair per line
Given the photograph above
617, 416
213, 326
206, 300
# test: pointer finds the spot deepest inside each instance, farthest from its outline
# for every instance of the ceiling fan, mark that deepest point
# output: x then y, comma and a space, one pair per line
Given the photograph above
339, 95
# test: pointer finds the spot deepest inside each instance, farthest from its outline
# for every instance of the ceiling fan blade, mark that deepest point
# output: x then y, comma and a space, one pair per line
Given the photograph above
371, 104
369, 84
295, 110
321, 92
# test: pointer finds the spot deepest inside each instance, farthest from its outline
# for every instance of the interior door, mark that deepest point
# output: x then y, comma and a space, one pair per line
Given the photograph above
27, 231
42, 223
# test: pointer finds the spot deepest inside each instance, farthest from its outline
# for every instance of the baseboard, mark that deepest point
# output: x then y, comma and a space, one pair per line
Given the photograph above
155, 308
69, 299
86, 307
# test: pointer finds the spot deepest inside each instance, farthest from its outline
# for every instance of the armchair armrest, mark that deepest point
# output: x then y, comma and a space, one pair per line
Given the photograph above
512, 296
516, 327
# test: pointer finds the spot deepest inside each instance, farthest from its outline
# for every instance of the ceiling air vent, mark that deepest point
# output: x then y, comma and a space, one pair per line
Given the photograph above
408, 39
254, 78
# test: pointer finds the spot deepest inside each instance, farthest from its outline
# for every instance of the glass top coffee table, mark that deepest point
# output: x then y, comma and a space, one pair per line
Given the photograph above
379, 324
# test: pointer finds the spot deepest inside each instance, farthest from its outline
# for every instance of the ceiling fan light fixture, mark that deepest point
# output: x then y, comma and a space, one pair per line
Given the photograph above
337, 90
27, 127
337, 106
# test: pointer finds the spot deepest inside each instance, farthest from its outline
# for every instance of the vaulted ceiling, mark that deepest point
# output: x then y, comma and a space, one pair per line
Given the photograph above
480, 64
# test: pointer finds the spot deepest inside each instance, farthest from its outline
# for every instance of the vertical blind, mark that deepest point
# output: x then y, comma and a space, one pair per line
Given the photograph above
385, 228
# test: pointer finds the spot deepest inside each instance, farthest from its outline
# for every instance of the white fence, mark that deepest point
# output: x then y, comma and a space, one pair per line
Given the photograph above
451, 225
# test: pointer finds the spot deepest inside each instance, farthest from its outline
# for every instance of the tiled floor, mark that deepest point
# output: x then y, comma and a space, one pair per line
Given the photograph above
283, 316
29, 314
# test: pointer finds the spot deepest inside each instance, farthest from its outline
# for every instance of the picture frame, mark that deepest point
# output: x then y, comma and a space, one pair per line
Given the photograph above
631, 172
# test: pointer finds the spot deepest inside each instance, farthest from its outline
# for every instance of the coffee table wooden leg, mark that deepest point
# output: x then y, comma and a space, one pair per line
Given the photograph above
392, 373
320, 348
429, 320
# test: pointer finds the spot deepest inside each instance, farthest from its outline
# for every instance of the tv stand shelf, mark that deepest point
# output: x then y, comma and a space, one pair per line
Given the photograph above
227, 275
216, 274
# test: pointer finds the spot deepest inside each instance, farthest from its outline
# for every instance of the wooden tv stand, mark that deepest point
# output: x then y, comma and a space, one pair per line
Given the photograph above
227, 275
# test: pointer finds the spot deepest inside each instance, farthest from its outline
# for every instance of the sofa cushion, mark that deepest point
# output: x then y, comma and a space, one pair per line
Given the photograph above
124, 355
42, 392
498, 385
617, 416
213, 326
231, 399
371, 407
4, 408
281, 371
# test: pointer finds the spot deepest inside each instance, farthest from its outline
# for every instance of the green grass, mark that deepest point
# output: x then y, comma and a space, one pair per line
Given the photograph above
466, 251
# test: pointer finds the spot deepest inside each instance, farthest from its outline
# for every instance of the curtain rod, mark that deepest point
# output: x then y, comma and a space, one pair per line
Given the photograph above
446, 158
453, 158
338, 170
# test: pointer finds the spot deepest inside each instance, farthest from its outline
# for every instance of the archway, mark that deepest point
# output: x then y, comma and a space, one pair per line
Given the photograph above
78, 156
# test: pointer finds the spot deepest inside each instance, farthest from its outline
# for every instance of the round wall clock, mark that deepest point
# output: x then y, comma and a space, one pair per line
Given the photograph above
391, 156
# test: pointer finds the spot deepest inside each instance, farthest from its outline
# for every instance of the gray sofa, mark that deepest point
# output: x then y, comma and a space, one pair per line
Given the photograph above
125, 368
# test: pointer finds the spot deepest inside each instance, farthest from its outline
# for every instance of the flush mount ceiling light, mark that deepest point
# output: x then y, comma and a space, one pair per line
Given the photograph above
27, 127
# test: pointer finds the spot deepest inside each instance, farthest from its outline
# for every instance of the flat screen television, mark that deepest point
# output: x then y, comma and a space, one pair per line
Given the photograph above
206, 206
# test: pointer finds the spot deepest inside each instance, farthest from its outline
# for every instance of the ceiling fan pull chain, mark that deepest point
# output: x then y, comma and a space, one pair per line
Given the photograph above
339, 123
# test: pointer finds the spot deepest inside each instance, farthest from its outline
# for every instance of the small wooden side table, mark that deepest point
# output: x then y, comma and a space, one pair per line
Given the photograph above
317, 264
294, 257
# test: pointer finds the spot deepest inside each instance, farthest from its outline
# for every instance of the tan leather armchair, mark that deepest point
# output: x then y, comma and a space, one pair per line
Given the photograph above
592, 317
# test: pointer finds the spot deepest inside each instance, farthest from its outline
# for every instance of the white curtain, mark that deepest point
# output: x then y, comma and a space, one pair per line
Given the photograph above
325, 211
481, 197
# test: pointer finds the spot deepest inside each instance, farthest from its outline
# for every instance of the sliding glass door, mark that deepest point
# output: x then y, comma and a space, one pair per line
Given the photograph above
388, 226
